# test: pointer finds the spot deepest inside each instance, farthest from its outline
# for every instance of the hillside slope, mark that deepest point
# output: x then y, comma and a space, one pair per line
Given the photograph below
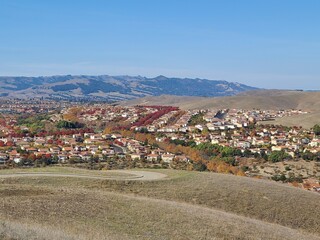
186, 205
264, 99
276, 100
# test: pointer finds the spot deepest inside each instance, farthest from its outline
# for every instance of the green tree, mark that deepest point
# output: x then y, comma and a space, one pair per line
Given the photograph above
281, 177
278, 156
67, 124
307, 155
316, 129
199, 167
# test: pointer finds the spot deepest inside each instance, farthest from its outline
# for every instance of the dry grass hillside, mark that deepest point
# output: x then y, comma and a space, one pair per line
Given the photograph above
185, 205
309, 101
269, 99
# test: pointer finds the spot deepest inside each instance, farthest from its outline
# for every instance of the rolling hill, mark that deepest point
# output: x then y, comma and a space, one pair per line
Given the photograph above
184, 205
262, 99
114, 88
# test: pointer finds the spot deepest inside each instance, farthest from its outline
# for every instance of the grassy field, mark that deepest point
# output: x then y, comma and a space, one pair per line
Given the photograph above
305, 120
268, 99
185, 205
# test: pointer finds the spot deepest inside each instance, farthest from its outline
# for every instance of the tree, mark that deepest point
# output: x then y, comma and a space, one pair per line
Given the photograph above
199, 166
67, 124
55, 159
316, 129
278, 156
281, 177
307, 155
247, 153
107, 130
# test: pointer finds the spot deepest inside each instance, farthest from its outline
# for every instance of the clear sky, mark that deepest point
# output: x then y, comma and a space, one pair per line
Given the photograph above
263, 43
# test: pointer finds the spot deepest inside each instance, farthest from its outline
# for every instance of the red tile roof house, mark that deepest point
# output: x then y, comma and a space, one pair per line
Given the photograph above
41, 153
153, 157
124, 141
40, 141
115, 136
67, 149
55, 149
167, 157
181, 158
108, 151
137, 156
96, 137
158, 151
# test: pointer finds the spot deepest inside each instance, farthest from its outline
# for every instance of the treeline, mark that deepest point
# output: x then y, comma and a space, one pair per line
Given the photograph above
57, 133
227, 153
30, 159
213, 150
149, 118
35, 123
288, 179
197, 119
29, 120
69, 124
309, 156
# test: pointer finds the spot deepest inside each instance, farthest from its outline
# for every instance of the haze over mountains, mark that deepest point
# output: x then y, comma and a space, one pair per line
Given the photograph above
114, 88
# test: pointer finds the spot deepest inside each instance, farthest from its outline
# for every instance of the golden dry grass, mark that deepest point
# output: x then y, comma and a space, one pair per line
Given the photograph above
309, 101
306, 121
187, 205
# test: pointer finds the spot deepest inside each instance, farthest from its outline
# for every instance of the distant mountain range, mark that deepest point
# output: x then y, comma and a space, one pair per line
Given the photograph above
114, 88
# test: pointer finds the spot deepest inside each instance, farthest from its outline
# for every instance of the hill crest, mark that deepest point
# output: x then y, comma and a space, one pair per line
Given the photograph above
114, 88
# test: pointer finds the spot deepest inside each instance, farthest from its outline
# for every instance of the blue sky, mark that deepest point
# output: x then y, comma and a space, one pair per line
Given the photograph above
270, 44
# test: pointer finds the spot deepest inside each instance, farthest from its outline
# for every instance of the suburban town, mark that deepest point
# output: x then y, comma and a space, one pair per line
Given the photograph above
159, 120
108, 136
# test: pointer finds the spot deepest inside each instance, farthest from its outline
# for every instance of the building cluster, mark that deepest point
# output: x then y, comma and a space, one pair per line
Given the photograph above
226, 127
237, 128
81, 148
31, 106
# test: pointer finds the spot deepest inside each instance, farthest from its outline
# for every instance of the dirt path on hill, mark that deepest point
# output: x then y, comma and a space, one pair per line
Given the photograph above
131, 175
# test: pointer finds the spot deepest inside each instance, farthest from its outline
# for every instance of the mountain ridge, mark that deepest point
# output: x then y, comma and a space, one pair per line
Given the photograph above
114, 88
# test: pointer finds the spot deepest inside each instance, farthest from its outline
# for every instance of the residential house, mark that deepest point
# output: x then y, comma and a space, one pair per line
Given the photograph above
153, 157
167, 157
